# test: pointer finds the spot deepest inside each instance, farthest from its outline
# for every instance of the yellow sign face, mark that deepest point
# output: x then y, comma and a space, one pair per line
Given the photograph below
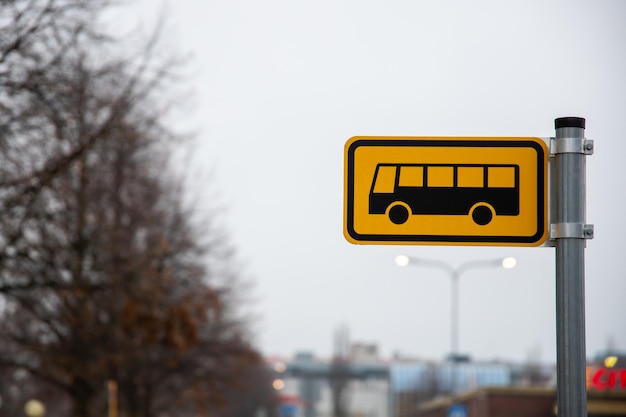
446, 191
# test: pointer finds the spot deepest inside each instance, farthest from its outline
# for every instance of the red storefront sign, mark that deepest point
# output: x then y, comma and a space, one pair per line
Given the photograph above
602, 379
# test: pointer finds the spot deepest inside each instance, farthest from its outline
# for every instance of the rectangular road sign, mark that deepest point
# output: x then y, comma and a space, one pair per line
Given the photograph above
446, 191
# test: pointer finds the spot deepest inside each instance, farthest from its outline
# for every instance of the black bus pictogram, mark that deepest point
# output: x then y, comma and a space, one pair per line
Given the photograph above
480, 191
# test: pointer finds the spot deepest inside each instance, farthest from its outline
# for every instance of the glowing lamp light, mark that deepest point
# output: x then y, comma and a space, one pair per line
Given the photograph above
509, 262
402, 260
278, 384
280, 367
34, 408
610, 361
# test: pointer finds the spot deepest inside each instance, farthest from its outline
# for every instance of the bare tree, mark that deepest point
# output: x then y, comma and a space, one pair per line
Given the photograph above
40, 135
103, 273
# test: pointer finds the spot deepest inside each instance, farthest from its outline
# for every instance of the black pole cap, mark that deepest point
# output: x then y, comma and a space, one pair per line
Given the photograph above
569, 122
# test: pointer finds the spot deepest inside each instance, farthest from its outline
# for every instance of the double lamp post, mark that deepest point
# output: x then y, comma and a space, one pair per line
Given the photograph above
455, 273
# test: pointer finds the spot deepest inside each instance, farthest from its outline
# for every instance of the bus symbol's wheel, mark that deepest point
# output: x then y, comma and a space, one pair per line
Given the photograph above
398, 214
482, 214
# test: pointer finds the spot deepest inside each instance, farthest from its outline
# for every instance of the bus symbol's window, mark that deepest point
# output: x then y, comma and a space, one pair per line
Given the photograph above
385, 179
471, 177
502, 177
411, 177
440, 176
480, 191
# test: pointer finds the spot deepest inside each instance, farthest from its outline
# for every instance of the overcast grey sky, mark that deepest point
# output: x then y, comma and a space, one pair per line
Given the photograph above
281, 85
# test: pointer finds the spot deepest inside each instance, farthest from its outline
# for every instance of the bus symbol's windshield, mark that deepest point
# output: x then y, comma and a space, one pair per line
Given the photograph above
480, 191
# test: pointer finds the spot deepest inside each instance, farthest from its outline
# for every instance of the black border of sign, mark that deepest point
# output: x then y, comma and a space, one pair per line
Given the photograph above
477, 143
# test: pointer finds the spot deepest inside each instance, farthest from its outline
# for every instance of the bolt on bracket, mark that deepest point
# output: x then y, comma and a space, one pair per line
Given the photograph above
571, 145
571, 230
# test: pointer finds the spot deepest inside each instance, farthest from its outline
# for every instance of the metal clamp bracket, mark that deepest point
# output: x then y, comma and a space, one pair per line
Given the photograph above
571, 145
571, 230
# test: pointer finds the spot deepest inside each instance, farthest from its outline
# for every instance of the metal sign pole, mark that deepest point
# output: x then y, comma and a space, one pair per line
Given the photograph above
569, 232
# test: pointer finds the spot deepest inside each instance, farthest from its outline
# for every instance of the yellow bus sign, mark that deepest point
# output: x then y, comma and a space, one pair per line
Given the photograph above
446, 191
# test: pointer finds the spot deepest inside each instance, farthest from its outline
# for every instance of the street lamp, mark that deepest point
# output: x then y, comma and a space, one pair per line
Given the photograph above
34, 408
455, 273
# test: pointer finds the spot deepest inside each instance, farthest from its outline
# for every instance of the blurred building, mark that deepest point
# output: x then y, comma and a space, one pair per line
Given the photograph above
310, 387
521, 402
606, 394
414, 383
364, 385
